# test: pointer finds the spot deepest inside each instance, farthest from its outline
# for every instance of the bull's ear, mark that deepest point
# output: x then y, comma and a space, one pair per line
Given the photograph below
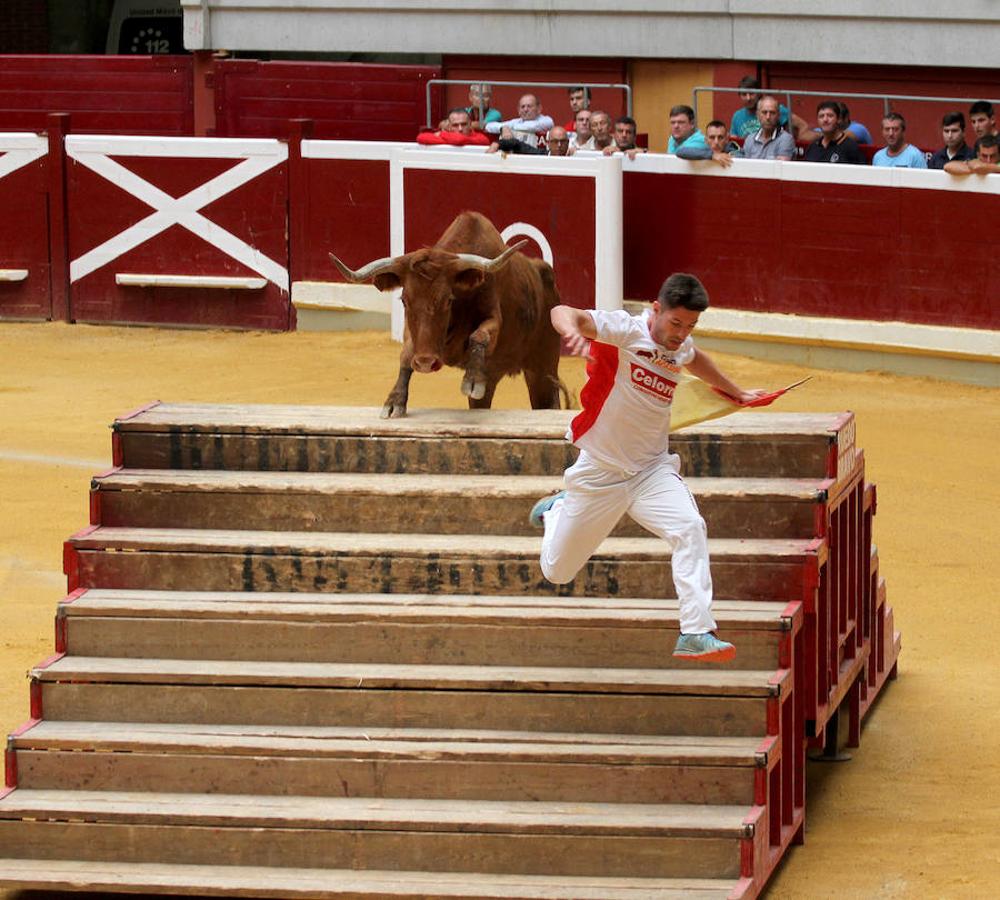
468, 279
386, 281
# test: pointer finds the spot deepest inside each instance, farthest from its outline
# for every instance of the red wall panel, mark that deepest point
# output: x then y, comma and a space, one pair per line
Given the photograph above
104, 94
840, 250
24, 240
345, 101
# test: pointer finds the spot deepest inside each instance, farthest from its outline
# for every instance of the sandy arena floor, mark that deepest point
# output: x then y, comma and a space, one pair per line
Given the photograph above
915, 814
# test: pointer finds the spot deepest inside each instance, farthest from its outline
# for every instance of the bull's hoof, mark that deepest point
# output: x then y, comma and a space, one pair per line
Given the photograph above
393, 411
476, 390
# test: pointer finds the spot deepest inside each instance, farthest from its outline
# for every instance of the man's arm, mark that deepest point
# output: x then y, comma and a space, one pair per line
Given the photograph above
576, 326
704, 152
705, 368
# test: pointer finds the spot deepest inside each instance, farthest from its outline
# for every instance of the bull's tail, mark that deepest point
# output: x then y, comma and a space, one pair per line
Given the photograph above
567, 396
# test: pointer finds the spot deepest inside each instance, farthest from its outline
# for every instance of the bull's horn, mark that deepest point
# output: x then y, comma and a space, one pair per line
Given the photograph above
365, 273
487, 264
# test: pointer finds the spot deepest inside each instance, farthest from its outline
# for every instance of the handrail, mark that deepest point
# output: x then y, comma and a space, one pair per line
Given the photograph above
787, 94
537, 84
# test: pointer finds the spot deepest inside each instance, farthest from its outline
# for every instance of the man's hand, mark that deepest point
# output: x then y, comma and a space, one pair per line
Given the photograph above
723, 159
753, 394
575, 327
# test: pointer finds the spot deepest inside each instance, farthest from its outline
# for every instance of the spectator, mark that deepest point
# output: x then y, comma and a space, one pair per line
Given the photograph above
600, 130
745, 120
897, 153
479, 109
556, 143
986, 162
716, 147
683, 133
624, 138
981, 118
581, 138
833, 145
528, 125
855, 129
769, 141
955, 148
579, 98
456, 130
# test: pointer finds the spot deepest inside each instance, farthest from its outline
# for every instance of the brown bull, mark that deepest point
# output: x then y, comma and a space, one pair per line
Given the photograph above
473, 303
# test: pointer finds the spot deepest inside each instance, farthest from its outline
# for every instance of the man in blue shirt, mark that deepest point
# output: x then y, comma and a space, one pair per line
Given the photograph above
897, 153
683, 132
745, 121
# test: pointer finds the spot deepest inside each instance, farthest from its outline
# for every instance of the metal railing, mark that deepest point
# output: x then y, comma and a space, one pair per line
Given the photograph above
836, 95
529, 84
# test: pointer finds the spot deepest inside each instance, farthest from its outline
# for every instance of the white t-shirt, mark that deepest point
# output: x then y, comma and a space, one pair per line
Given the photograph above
625, 421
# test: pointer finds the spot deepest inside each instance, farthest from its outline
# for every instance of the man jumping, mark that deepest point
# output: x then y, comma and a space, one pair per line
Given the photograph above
624, 464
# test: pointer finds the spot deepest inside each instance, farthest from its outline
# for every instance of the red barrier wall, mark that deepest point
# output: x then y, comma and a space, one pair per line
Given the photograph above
800, 244
24, 227
345, 101
232, 224
104, 94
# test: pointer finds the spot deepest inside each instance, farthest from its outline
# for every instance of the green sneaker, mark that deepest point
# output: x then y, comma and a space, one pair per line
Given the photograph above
704, 647
542, 507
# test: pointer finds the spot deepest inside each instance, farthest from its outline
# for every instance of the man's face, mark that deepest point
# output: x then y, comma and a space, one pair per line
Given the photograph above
480, 91
670, 327
749, 99
982, 124
681, 127
557, 141
577, 100
767, 115
625, 135
527, 107
582, 121
893, 133
600, 126
459, 122
989, 155
826, 118
716, 137
953, 136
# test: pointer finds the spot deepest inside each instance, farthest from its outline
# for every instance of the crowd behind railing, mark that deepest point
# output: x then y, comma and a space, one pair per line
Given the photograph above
763, 128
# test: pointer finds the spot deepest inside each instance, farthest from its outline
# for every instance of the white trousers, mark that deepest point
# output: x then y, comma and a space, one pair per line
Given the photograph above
659, 500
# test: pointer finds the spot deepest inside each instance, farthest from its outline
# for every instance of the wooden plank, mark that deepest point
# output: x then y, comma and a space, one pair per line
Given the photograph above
454, 504
575, 855
650, 714
515, 774
346, 884
374, 676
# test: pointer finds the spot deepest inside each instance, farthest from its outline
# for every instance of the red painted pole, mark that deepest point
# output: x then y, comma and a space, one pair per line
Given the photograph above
58, 128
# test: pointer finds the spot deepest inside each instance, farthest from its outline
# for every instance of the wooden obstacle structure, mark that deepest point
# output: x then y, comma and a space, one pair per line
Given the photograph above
309, 653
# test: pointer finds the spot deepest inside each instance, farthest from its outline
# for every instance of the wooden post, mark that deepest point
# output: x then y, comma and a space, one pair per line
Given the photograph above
298, 207
58, 128
203, 91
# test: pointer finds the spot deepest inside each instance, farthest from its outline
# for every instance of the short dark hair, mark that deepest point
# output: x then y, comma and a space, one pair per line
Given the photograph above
895, 117
748, 81
626, 120
843, 111
828, 104
684, 290
981, 106
580, 87
953, 118
682, 110
987, 140
458, 109
716, 123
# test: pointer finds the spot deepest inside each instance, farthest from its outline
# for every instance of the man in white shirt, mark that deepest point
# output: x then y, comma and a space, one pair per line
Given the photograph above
530, 124
624, 463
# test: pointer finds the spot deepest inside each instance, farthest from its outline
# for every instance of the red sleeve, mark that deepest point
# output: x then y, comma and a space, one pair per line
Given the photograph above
429, 137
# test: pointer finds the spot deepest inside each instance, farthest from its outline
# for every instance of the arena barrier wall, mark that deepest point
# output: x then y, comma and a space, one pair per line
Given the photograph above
569, 209
214, 249
24, 227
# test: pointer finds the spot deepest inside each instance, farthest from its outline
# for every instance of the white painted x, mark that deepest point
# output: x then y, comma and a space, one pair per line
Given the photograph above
19, 150
182, 211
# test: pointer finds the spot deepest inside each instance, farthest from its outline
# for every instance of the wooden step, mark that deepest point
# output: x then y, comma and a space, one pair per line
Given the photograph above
347, 884
467, 630
181, 559
430, 504
538, 838
645, 701
130, 756
514, 442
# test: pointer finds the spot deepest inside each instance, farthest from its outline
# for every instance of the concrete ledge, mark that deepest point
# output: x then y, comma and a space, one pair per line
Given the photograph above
968, 355
333, 306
